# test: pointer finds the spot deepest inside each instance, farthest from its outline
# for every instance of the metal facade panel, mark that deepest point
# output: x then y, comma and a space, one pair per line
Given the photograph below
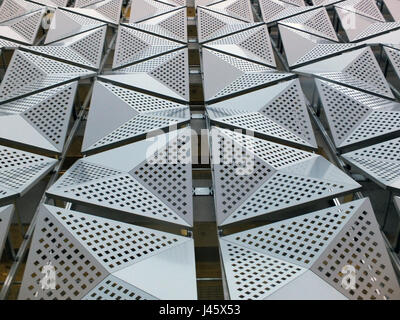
108, 11
6, 214
275, 10
367, 8
145, 9
240, 9
394, 57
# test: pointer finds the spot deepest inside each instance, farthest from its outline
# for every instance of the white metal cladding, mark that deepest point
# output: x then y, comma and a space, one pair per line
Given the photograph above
52, 3
166, 75
8, 44
117, 115
354, 116
278, 111
359, 27
299, 3
212, 25
28, 73
204, 3
367, 8
11, 9
225, 75
358, 69
85, 48
145, 9
253, 44
325, 3
40, 120
316, 22
380, 162
134, 45
66, 24
254, 177
394, 8
240, 9
394, 57
23, 28
176, 3
151, 178
20, 170
172, 25
301, 47
108, 11
289, 258
98, 258
390, 38
275, 10
6, 214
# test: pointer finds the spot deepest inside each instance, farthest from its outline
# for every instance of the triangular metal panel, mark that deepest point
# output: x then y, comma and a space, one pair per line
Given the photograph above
275, 10
390, 38
325, 3
145, 9
11, 9
52, 3
239, 9
6, 214
176, 3
8, 44
367, 8
394, 58
394, 8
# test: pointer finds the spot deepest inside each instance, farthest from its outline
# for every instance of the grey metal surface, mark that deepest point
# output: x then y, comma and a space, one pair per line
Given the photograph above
151, 178
239, 9
225, 75
166, 75
175, 3
52, 3
254, 177
301, 47
356, 117
20, 170
40, 120
325, 3
11, 9
134, 45
252, 44
391, 37
277, 112
85, 48
8, 44
367, 8
380, 162
292, 253
6, 214
145, 9
98, 258
28, 73
394, 8
275, 10
358, 69
117, 115
394, 58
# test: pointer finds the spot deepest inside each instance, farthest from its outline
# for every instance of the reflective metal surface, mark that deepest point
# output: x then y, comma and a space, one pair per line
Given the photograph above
6, 214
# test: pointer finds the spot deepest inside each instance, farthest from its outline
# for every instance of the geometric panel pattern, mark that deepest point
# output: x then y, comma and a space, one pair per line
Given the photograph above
275, 10
151, 178
239, 9
288, 258
40, 120
28, 73
358, 69
52, 3
145, 9
394, 58
166, 75
108, 11
354, 116
278, 112
379, 162
254, 177
20, 170
118, 115
6, 213
11, 9
367, 8
225, 75
94, 258
394, 8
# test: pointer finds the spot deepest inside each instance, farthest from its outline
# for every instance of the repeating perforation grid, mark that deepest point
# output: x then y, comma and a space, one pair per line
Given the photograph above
366, 8
27, 26
375, 29
240, 9
272, 10
11, 9
394, 56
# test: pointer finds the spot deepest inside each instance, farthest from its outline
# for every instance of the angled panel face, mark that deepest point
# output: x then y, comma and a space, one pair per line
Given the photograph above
390, 38
134, 46
52, 3
6, 213
358, 69
28, 73
394, 8
85, 48
254, 177
175, 3
145, 9
380, 162
42, 119
356, 117
226, 75
11, 9
166, 75
394, 57
151, 178
252, 44
20, 170
117, 115
8, 44
325, 3
275, 10
239, 9
277, 112
367, 8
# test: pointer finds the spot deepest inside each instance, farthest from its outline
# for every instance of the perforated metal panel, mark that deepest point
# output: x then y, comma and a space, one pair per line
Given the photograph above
11, 9
367, 8
40, 120
145, 9
278, 112
325, 3
275, 10
394, 8
107, 11
253, 44
85, 48
151, 178
394, 57
98, 258
117, 115
225, 75
358, 69
66, 24
380, 162
316, 22
240, 9
20, 170
176, 3
290, 258
166, 75
254, 177
134, 45
302, 48
172, 25
28, 73
356, 117
6, 213
392, 37
8, 44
